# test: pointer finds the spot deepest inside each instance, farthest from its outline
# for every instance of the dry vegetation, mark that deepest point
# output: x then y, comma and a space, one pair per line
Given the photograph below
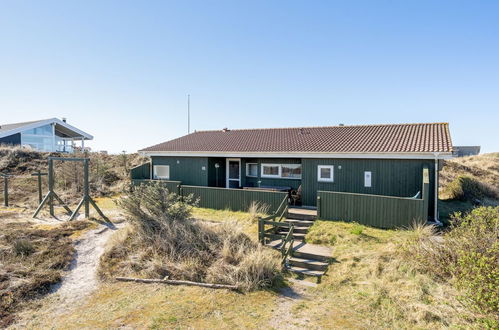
108, 174
164, 240
31, 260
378, 278
471, 177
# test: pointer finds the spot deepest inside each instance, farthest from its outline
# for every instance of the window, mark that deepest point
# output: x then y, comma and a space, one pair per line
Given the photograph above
325, 173
42, 130
41, 143
271, 171
284, 171
161, 172
291, 171
252, 169
40, 138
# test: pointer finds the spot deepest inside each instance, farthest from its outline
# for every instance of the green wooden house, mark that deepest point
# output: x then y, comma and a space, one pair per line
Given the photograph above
386, 160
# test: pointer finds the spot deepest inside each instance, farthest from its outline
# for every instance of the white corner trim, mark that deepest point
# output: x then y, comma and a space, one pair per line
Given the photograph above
369, 155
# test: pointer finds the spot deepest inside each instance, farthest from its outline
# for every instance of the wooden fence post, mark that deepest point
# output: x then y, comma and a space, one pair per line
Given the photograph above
39, 175
51, 186
86, 188
318, 207
425, 193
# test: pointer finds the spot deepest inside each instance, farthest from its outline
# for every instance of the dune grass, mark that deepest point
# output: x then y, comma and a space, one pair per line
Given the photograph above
162, 239
32, 258
370, 284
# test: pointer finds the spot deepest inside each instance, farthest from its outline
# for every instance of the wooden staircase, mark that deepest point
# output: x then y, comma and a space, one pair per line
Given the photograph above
306, 259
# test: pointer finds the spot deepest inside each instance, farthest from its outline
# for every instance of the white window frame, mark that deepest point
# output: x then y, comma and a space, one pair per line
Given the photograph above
270, 175
248, 172
319, 168
291, 165
156, 177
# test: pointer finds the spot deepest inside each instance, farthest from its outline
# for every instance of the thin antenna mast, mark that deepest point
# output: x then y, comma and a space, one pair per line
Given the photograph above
188, 113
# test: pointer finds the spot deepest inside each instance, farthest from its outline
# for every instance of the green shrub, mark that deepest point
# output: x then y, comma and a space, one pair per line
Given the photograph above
468, 254
477, 265
357, 229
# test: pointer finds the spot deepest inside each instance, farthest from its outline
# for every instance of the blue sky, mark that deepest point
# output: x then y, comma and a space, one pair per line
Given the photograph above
121, 70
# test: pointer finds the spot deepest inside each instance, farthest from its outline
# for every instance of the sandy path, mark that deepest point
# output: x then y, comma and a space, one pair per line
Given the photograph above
284, 316
81, 279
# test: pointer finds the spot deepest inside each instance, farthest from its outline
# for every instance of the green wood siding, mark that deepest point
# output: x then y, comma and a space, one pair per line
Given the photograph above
141, 172
247, 181
233, 199
391, 177
189, 170
375, 210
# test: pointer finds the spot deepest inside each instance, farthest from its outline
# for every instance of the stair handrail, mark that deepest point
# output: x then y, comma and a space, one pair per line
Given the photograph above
284, 206
289, 238
279, 214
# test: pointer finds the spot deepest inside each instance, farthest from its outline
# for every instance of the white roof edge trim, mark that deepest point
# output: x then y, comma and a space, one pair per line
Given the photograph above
373, 155
45, 122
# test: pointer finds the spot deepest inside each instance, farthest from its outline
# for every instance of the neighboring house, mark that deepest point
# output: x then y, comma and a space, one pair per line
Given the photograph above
464, 151
44, 135
368, 159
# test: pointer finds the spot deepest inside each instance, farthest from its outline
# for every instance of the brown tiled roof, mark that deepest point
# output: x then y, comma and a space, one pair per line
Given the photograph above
393, 138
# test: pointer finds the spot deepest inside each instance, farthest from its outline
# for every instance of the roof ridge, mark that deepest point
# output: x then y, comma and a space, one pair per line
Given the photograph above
27, 122
335, 126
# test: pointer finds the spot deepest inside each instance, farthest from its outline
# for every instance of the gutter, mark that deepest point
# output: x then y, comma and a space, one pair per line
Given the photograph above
273, 154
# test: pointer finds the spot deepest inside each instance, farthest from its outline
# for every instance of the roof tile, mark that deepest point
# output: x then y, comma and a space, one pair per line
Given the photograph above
397, 138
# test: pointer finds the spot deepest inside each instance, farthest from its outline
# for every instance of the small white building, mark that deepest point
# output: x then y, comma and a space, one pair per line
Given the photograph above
44, 135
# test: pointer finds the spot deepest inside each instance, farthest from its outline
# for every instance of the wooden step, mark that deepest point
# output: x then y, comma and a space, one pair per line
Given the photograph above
301, 223
301, 230
312, 264
305, 271
297, 229
312, 251
300, 216
296, 236
305, 250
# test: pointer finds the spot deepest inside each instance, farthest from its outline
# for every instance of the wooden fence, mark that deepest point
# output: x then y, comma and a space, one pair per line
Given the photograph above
172, 186
374, 210
222, 198
233, 199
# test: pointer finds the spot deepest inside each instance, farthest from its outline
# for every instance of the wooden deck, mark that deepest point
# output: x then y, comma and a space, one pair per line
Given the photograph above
302, 211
